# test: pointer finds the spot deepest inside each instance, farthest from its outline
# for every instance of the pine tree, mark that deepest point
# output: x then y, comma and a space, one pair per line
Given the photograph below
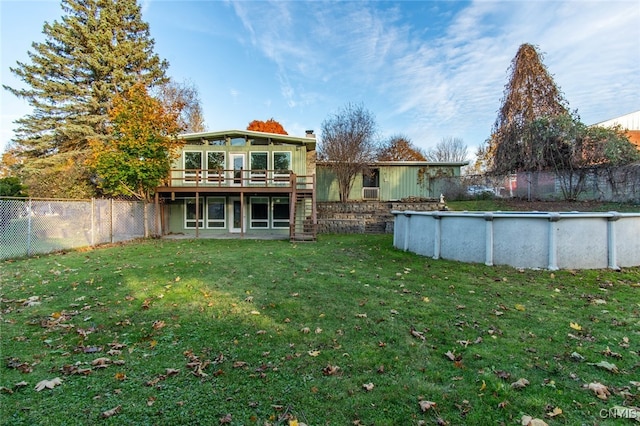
98, 49
530, 94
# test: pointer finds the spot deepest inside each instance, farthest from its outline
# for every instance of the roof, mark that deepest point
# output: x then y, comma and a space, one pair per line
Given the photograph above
411, 163
310, 142
629, 121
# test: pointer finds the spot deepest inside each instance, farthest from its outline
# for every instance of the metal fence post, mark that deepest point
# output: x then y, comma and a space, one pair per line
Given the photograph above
111, 224
29, 216
93, 222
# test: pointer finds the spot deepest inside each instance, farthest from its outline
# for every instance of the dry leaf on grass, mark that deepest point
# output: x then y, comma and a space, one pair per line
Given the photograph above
112, 412
330, 370
426, 405
530, 421
555, 412
417, 334
48, 384
599, 389
606, 365
101, 362
368, 386
520, 383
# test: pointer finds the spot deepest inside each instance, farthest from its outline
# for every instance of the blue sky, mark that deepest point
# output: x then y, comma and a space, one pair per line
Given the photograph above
425, 69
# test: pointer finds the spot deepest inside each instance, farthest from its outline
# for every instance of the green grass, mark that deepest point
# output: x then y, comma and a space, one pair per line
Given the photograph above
511, 204
268, 322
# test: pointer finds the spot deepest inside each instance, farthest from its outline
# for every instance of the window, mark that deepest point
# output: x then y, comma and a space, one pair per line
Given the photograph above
259, 141
238, 141
258, 166
192, 165
217, 142
216, 212
371, 179
259, 212
215, 166
190, 213
281, 166
280, 212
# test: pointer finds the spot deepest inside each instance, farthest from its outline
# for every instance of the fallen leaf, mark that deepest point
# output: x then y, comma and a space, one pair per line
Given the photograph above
100, 362
226, 419
48, 384
368, 386
606, 365
483, 387
450, 356
314, 353
601, 391
417, 334
171, 371
426, 405
112, 412
555, 412
520, 307
120, 376
330, 370
575, 326
530, 421
610, 353
520, 383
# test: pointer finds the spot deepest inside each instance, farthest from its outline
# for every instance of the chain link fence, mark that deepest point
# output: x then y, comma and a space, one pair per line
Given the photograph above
620, 185
31, 226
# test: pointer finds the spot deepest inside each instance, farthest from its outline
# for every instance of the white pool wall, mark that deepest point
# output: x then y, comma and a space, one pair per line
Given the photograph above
549, 240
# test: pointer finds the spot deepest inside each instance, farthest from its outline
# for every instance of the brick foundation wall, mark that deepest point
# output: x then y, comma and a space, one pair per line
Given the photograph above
368, 217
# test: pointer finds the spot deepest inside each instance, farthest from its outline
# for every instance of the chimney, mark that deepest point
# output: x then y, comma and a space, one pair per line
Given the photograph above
310, 134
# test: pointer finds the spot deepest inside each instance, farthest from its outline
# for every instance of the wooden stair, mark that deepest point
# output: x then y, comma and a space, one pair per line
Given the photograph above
303, 222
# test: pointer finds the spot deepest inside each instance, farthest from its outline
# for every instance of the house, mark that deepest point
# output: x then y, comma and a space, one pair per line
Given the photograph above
241, 182
238, 183
630, 123
390, 181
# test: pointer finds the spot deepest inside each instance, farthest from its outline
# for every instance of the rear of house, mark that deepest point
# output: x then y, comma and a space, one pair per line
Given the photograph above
241, 182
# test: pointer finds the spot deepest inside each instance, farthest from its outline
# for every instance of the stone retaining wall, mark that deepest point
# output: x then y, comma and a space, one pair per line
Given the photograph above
366, 217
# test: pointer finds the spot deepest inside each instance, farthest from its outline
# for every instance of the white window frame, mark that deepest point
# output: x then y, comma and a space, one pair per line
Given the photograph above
274, 220
261, 176
281, 178
190, 176
191, 223
222, 221
266, 220
216, 177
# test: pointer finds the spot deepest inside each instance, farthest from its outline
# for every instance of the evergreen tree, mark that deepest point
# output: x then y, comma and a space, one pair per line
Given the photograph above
530, 94
99, 48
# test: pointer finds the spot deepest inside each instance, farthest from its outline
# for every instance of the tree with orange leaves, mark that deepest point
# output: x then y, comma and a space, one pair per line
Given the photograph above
144, 140
269, 126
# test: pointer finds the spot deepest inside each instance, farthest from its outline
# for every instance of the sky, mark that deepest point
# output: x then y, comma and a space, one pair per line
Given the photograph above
427, 70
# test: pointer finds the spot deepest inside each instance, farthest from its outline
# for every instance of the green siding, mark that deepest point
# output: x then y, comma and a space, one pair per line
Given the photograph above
396, 182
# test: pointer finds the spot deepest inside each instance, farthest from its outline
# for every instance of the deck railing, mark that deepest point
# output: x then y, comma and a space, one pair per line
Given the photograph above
237, 178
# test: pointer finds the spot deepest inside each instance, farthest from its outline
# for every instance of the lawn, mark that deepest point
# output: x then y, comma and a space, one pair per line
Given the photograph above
344, 331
